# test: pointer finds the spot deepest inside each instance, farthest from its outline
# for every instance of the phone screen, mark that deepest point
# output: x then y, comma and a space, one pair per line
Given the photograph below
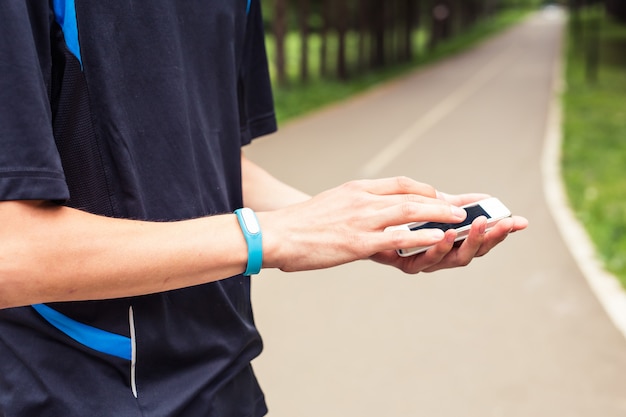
472, 213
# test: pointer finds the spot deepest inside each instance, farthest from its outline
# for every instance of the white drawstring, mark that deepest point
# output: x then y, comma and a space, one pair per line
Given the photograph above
133, 344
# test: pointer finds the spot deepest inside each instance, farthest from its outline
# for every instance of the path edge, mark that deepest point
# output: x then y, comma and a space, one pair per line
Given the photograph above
605, 286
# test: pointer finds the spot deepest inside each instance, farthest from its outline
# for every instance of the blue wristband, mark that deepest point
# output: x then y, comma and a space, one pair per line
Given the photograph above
254, 238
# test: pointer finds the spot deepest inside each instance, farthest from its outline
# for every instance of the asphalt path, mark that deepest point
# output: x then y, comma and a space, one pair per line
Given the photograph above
517, 333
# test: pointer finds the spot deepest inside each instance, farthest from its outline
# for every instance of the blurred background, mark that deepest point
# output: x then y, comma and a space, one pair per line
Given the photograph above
460, 94
359, 43
324, 51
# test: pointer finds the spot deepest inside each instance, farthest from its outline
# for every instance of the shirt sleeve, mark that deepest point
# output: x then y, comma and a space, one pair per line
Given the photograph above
255, 90
30, 166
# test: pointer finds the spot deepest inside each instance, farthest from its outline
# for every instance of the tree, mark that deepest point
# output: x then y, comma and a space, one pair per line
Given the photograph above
303, 22
280, 31
411, 17
617, 9
341, 24
377, 18
326, 18
364, 30
441, 21
385, 29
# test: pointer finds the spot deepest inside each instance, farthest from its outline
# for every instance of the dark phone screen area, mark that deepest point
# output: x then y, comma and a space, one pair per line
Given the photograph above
472, 213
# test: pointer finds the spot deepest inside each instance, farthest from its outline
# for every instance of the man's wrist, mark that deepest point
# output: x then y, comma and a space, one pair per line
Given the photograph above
251, 230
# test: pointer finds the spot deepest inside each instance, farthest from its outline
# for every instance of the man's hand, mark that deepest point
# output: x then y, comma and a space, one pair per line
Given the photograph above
445, 254
348, 223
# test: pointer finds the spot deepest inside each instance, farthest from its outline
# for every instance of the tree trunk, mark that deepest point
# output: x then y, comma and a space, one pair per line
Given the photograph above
303, 21
280, 31
410, 10
617, 9
440, 17
377, 19
341, 23
326, 16
363, 35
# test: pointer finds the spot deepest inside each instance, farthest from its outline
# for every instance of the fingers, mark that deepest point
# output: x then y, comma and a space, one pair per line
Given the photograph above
347, 223
495, 236
461, 255
392, 240
407, 212
423, 261
395, 185
462, 199
446, 255
436, 254
472, 245
500, 232
400, 200
519, 223
478, 243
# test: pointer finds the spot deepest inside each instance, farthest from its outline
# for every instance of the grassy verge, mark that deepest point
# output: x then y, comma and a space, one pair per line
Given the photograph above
594, 149
299, 98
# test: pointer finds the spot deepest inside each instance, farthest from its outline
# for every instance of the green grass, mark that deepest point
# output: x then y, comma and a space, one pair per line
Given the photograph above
299, 98
594, 150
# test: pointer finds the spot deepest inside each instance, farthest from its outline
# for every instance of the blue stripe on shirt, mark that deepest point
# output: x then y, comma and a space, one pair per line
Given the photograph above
92, 337
65, 16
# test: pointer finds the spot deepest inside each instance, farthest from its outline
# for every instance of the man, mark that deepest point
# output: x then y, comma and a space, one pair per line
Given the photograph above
125, 275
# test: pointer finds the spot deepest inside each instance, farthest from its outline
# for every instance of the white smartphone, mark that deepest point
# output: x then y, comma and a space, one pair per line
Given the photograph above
491, 208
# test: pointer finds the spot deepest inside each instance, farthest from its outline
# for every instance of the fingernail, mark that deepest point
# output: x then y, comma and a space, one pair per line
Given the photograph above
434, 234
442, 196
458, 212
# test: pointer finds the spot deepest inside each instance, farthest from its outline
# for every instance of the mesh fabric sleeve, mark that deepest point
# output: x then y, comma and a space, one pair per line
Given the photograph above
256, 104
30, 166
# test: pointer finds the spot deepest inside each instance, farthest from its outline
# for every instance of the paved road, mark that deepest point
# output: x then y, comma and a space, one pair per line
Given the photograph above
517, 333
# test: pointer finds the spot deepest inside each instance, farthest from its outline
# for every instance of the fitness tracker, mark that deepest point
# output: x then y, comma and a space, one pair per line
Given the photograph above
254, 238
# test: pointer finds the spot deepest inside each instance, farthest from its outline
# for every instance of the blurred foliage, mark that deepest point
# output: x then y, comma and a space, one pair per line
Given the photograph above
594, 152
315, 60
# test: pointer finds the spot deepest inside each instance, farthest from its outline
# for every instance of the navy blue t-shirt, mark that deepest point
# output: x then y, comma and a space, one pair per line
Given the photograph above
132, 109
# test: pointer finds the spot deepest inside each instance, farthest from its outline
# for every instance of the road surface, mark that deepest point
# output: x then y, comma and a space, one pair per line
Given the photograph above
517, 333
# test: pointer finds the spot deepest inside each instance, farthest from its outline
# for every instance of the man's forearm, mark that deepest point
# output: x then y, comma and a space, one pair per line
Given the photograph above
51, 253
264, 192
54, 253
